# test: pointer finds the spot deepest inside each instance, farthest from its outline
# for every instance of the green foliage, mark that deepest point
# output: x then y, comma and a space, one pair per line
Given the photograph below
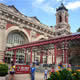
65, 75
3, 69
78, 30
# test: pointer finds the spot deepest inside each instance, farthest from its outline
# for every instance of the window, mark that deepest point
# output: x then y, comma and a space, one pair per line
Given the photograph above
15, 39
60, 18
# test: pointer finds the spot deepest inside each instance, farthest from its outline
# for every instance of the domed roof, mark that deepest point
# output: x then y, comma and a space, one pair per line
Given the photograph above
61, 7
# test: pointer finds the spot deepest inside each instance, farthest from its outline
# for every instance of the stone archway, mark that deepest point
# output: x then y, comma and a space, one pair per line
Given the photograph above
16, 36
14, 28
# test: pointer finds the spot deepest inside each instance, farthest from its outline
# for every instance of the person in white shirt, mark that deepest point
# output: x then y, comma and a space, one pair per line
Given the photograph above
45, 73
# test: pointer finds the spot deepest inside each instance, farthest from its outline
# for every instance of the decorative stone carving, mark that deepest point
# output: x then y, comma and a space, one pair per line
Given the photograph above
18, 19
33, 34
21, 25
28, 23
14, 13
0, 12
33, 25
23, 21
45, 35
2, 24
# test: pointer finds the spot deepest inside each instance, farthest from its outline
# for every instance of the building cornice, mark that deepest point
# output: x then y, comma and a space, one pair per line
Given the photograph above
19, 19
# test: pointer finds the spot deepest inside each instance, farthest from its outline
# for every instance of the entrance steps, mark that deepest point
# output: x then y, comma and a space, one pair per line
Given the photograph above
1, 56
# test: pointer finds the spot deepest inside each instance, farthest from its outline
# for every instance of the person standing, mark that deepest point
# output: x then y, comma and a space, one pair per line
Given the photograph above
12, 72
45, 73
33, 72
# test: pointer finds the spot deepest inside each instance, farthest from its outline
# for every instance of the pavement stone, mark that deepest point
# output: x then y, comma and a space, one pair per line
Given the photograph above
38, 76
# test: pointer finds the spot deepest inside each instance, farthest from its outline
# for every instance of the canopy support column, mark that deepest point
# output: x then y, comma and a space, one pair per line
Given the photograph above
65, 53
46, 58
55, 53
4, 56
41, 57
31, 56
52, 58
25, 55
14, 60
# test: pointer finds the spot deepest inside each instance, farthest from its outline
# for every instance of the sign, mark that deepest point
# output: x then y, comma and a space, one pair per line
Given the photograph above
22, 69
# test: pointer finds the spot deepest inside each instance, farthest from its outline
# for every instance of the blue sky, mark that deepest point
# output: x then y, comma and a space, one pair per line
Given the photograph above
45, 10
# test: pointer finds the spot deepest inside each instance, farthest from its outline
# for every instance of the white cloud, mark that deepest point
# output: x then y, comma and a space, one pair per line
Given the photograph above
58, 0
43, 5
5, 0
73, 5
40, 1
1, 0
47, 8
37, 2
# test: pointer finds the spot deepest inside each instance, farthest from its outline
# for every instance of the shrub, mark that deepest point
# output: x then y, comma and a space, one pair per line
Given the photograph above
3, 69
65, 75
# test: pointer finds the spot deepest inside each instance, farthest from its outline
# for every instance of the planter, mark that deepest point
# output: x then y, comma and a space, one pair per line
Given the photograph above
3, 70
4, 77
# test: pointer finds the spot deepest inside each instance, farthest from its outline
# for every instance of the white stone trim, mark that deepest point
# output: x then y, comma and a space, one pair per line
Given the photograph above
17, 28
41, 36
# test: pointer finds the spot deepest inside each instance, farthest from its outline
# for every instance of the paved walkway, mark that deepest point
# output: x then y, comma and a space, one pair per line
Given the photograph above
38, 76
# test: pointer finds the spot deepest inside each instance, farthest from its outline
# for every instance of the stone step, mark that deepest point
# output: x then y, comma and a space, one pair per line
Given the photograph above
1, 56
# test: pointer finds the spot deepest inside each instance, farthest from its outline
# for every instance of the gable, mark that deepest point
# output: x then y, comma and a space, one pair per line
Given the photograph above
13, 9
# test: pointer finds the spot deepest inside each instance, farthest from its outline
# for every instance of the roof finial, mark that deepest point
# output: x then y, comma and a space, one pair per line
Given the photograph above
62, 1
62, 7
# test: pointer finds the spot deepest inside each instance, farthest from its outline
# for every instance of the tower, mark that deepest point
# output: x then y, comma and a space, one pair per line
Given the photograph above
62, 27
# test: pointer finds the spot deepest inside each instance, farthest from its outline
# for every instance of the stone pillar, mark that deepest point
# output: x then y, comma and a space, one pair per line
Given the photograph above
57, 19
14, 60
41, 57
2, 38
25, 55
52, 58
67, 19
55, 52
63, 17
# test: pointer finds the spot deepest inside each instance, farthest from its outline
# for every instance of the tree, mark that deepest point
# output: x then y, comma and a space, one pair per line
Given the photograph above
78, 30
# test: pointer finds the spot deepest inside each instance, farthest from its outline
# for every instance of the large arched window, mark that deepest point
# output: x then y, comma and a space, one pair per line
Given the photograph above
16, 38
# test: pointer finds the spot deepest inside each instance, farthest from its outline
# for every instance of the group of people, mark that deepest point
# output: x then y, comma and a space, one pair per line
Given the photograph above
12, 72
32, 71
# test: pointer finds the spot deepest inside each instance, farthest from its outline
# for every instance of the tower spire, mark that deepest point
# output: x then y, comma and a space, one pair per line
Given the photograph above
62, 1
62, 27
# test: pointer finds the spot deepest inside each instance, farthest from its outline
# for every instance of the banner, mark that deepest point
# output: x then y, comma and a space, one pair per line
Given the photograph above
22, 69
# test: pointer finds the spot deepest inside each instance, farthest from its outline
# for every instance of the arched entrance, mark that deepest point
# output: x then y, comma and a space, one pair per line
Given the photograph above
16, 38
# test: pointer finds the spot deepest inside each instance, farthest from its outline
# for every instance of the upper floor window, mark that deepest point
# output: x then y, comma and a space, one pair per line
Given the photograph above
16, 38
60, 18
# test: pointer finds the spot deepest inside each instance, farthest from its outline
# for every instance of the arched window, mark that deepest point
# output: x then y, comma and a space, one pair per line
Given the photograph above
16, 38
60, 18
65, 19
